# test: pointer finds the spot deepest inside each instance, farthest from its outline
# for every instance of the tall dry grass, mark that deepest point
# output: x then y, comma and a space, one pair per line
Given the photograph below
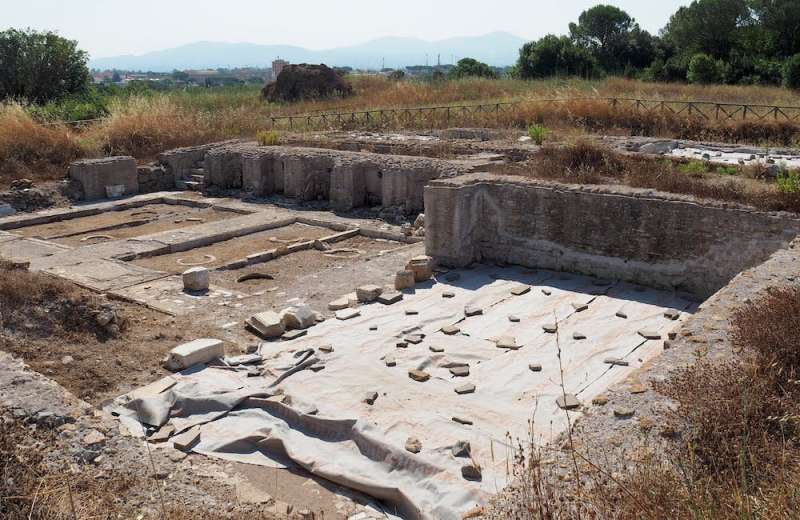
29, 149
142, 126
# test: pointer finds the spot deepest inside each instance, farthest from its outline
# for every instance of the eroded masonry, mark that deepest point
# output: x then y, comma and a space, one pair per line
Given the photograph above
400, 361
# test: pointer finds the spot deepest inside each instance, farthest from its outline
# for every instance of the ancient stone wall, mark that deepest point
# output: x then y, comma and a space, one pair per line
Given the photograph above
110, 176
636, 235
347, 179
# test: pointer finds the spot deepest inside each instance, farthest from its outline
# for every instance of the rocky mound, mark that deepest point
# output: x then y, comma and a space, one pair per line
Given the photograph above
305, 81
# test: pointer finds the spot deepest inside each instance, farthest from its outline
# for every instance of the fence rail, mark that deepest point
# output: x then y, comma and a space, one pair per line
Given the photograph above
446, 114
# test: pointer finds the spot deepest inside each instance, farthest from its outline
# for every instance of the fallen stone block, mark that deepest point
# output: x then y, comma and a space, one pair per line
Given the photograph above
521, 289
535, 367
471, 310
186, 440
290, 335
568, 402
298, 316
339, 304
368, 293
435, 349
347, 314
419, 375
465, 389
413, 445
198, 351
404, 280
196, 279
422, 267
649, 334
460, 371
267, 324
450, 330
472, 472
508, 343
390, 298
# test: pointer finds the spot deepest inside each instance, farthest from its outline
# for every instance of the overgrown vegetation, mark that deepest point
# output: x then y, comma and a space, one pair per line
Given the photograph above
268, 138
33, 145
585, 162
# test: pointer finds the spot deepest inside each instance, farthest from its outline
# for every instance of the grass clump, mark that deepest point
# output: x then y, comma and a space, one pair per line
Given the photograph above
268, 138
538, 133
788, 181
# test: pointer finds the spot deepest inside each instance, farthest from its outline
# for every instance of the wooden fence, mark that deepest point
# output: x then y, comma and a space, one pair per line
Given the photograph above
447, 115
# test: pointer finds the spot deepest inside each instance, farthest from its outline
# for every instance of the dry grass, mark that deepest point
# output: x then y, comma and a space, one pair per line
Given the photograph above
585, 162
29, 149
729, 447
144, 126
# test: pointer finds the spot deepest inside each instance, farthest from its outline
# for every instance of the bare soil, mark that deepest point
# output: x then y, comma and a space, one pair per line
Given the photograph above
128, 223
286, 270
218, 254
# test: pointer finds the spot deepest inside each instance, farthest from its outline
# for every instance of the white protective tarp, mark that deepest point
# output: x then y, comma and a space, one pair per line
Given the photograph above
326, 427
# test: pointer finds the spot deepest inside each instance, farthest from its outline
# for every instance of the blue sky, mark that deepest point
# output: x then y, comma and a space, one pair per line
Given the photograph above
113, 27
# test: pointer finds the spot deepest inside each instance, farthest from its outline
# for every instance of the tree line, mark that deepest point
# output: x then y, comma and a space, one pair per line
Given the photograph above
708, 41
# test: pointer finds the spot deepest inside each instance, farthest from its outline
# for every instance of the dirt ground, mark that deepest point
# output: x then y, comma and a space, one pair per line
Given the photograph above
286, 270
129, 223
96, 370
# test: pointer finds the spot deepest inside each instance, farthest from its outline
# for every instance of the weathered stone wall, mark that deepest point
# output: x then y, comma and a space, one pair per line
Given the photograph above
154, 178
636, 235
95, 175
347, 179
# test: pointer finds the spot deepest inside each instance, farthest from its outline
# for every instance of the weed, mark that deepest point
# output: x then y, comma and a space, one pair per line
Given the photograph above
788, 181
538, 133
268, 138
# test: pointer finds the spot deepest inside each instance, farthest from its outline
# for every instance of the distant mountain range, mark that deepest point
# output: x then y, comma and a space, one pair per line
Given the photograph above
497, 49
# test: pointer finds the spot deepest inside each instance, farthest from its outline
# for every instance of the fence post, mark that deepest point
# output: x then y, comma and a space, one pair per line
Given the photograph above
744, 112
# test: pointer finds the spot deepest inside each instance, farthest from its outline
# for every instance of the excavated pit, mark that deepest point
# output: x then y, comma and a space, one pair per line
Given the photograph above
619, 271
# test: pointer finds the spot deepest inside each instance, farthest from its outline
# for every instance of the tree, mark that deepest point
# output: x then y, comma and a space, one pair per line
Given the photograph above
712, 27
41, 66
554, 56
780, 22
604, 30
468, 67
791, 72
703, 69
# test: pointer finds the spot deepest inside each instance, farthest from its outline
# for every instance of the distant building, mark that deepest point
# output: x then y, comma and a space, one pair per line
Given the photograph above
277, 67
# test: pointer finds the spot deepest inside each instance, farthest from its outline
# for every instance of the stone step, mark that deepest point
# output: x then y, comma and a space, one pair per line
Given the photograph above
199, 178
189, 185
198, 171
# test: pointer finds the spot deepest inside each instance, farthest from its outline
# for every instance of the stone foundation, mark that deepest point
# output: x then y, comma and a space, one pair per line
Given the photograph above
636, 235
95, 175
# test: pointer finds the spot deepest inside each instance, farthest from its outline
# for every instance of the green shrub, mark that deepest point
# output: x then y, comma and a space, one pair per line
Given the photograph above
788, 181
791, 72
538, 133
703, 69
268, 138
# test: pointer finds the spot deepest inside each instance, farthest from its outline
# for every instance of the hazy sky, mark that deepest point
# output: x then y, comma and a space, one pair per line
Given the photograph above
113, 27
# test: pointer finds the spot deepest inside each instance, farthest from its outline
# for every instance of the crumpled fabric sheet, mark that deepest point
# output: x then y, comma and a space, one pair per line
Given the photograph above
362, 446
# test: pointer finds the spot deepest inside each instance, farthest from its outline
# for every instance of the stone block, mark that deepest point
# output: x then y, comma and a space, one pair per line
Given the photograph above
368, 293
196, 279
404, 280
95, 175
298, 316
267, 324
192, 353
422, 266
